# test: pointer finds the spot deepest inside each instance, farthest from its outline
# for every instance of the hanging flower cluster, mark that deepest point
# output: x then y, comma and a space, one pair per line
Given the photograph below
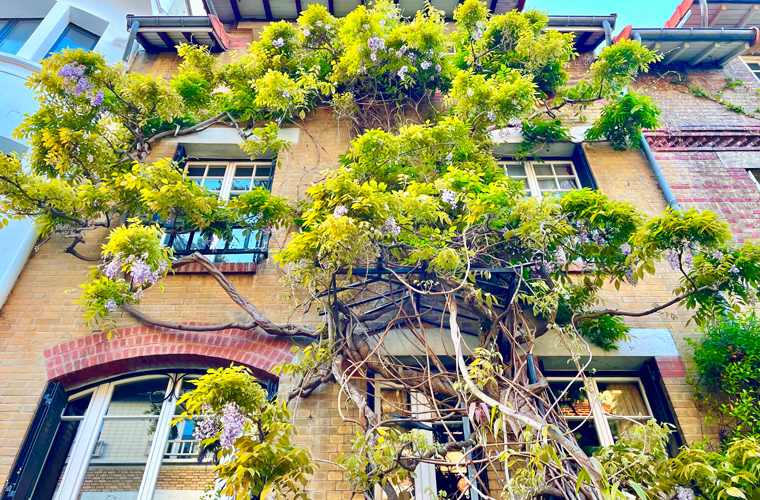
77, 83
233, 425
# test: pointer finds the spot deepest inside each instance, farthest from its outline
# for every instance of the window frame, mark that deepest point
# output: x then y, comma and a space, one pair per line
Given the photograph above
598, 417
752, 60
224, 193
752, 176
85, 441
531, 180
12, 23
66, 31
425, 473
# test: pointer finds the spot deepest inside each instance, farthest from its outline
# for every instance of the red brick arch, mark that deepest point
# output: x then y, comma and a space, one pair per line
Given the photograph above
139, 348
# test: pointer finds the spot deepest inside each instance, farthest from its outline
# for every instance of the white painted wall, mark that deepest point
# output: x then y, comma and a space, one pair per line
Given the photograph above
106, 18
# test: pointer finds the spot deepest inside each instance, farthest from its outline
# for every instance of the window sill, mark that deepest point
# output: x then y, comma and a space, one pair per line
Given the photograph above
225, 267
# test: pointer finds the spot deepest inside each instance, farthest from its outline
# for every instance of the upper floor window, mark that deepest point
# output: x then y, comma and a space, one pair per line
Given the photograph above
229, 179
74, 37
15, 32
753, 62
546, 177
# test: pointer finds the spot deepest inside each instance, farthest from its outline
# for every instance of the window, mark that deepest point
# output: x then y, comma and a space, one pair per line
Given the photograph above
115, 441
754, 65
754, 174
228, 179
15, 32
398, 404
74, 37
543, 178
621, 404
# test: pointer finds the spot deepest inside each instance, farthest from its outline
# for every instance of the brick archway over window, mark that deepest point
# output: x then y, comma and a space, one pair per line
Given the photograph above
138, 348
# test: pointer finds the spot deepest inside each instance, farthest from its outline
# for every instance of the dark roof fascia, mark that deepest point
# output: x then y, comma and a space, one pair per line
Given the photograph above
170, 21
747, 35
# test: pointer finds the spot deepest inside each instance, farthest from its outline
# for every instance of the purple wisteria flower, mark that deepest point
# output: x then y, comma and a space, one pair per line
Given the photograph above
598, 239
437, 68
491, 116
549, 266
688, 257
673, 260
685, 493
583, 235
138, 295
111, 305
391, 227
559, 257
448, 158
306, 32
206, 428
734, 270
140, 271
233, 424
470, 92
83, 85
425, 64
97, 98
630, 278
113, 267
717, 255
626, 249
340, 211
450, 197
279, 42
266, 230
72, 71
402, 71
318, 23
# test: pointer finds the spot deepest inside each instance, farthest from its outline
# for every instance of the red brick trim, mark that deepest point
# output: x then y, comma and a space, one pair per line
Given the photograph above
670, 366
225, 267
139, 348
740, 139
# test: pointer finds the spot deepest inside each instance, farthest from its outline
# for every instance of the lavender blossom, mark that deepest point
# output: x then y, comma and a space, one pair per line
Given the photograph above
319, 23
233, 422
734, 270
491, 116
206, 428
674, 261
560, 258
72, 71
717, 255
630, 278
391, 227
111, 305
626, 249
450, 197
685, 494
549, 266
279, 42
598, 239
97, 99
140, 271
448, 158
382, 23
340, 211
583, 235
437, 68
688, 257
402, 72
112, 269
83, 85
306, 32
138, 295
285, 94
425, 65
266, 230
470, 92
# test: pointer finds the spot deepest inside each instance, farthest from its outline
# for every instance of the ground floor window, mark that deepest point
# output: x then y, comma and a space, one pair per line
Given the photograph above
599, 419
115, 442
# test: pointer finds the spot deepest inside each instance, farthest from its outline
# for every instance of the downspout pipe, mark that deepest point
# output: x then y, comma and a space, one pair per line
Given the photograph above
670, 198
607, 32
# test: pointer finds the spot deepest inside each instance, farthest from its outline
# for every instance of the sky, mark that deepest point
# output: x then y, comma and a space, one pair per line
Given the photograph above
639, 13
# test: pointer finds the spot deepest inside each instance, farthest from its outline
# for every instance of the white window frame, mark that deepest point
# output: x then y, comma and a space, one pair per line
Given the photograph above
747, 60
425, 479
86, 436
532, 180
229, 174
599, 418
752, 176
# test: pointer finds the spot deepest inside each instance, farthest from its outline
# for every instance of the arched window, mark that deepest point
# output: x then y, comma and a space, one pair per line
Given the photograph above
115, 440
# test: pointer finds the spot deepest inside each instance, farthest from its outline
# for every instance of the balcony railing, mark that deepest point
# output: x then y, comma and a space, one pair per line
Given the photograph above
245, 245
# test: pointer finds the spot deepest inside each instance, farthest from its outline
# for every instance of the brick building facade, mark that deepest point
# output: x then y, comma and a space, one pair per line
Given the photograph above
706, 152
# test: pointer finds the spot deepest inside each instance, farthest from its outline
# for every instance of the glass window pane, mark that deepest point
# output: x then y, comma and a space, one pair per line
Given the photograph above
543, 170
622, 398
143, 397
754, 66
586, 435
567, 184
447, 477
75, 37
394, 402
18, 35
755, 173
623, 428
263, 171
547, 184
213, 184
241, 184
243, 171
196, 171
77, 407
216, 171
574, 402
564, 169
